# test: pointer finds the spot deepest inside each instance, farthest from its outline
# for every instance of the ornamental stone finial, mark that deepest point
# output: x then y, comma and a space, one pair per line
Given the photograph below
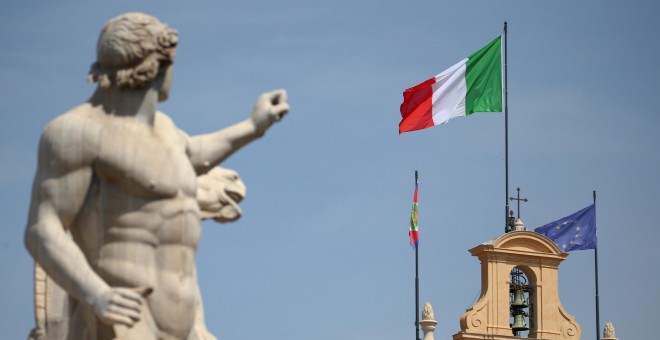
428, 322
427, 312
608, 332
519, 225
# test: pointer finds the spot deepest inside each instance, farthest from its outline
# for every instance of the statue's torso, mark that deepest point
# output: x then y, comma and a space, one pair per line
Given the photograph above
140, 224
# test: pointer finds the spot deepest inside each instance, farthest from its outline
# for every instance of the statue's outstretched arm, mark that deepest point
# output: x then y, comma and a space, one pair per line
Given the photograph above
207, 151
64, 174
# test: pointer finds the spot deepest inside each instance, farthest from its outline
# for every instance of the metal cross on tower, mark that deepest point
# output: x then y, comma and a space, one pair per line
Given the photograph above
518, 199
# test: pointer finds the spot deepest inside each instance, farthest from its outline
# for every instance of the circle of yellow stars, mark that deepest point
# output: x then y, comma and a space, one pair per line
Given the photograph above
577, 235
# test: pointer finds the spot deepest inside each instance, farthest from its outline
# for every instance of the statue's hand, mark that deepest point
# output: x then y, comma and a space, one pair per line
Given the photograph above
269, 108
120, 306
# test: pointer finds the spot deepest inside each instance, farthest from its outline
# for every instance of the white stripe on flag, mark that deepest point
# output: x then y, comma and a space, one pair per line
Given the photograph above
449, 93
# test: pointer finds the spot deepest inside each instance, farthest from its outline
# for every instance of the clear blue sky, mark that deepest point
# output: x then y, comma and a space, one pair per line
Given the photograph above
322, 249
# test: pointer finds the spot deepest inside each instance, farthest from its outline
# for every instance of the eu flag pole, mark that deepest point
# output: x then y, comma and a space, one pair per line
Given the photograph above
577, 232
597, 297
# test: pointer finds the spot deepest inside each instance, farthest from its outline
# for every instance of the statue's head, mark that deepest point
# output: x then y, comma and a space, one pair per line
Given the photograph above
132, 51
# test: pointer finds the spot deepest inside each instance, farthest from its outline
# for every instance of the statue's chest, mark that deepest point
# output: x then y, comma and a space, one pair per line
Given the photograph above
149, 162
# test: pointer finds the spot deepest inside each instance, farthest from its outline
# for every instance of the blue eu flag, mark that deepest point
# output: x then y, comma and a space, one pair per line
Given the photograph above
574, 232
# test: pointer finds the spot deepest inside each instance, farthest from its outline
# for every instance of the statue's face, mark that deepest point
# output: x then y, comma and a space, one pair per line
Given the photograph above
164, 90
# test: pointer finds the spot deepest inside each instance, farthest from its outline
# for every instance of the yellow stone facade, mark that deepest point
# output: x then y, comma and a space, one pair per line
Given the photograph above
539, 258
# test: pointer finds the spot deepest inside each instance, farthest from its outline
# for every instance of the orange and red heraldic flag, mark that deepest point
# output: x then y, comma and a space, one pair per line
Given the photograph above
414, 233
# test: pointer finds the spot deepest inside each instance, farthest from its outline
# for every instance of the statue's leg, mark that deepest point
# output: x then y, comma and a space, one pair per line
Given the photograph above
82, 323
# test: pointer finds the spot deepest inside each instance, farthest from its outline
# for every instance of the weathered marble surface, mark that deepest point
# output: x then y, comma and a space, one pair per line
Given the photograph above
427, 312
608, 332
119, 193
428, 322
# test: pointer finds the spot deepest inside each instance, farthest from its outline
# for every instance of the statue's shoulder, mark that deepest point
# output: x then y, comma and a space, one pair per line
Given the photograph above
164, 122
163, 119
72, 136
82, 119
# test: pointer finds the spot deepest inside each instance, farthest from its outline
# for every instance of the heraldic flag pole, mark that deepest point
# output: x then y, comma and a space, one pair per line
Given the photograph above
413, 233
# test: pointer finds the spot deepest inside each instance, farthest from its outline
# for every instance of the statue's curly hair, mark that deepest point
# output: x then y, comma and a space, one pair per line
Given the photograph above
132, 50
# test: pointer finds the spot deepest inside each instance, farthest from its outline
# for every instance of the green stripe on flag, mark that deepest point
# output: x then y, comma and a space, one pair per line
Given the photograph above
483, 77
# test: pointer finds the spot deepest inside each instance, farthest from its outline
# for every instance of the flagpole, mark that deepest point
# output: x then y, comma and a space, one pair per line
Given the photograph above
506, 135
416, 280
597, 297
417, 293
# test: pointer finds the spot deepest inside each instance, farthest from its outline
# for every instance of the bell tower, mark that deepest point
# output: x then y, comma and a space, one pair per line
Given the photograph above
519, 290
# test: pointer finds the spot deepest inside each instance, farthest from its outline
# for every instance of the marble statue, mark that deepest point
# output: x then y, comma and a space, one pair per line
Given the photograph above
218, 194
120, 191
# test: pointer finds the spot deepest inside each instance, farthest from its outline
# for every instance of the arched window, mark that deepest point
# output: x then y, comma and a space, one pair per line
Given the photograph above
521, 310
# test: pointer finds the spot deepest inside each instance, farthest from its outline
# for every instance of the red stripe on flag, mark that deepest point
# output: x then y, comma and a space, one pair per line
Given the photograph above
416, 108
414, 238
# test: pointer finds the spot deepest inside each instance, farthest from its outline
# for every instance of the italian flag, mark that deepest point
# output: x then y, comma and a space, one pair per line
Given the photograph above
472, 85
414, 233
